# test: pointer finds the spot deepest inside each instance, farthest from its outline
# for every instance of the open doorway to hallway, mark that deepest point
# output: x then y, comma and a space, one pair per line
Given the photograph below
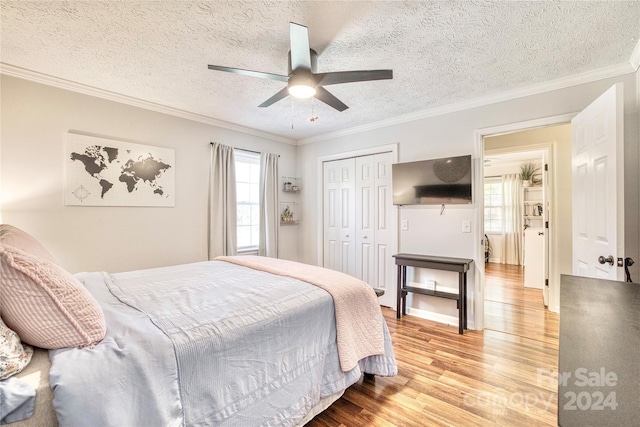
511, 304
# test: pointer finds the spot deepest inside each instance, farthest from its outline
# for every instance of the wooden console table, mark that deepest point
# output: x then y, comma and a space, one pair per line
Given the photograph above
461, 265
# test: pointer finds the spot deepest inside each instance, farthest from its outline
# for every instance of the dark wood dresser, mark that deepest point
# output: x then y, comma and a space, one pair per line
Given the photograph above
599, 358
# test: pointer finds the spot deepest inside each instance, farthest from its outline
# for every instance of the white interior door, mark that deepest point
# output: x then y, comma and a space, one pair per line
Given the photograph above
366, 219
339, 216
598, 190
375, 222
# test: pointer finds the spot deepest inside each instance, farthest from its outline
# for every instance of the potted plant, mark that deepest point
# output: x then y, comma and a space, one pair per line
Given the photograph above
527, 171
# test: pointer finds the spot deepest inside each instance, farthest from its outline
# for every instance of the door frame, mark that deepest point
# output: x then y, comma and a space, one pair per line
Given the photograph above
480, 134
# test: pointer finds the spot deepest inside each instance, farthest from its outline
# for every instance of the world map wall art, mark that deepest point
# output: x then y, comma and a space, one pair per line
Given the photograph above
104, 172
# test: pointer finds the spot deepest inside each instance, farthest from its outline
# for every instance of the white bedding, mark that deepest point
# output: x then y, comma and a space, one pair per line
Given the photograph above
209, 343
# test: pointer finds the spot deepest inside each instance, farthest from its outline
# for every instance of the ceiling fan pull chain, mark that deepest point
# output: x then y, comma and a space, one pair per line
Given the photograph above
313, 117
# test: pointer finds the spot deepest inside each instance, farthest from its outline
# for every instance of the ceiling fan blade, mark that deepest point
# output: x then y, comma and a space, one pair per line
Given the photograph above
327, 97
259, 74
275, 98
300, 56
334, 78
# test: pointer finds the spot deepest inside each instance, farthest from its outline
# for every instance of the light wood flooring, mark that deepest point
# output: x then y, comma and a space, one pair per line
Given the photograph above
497, 377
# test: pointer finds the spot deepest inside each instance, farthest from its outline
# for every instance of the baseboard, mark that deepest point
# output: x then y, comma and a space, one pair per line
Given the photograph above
436, 317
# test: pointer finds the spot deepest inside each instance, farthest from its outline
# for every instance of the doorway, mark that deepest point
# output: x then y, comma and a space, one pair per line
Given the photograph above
516, 211
554, 135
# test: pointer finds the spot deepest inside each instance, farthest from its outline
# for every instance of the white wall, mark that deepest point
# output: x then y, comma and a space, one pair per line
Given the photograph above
35, 119
449, 135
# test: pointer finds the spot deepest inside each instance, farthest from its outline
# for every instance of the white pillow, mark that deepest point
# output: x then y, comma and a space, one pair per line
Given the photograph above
13, 355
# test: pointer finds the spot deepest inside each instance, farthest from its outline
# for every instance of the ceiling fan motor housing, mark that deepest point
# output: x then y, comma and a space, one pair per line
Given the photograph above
314, 61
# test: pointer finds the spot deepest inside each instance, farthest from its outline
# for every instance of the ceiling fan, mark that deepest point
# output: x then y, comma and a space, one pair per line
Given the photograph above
302, 80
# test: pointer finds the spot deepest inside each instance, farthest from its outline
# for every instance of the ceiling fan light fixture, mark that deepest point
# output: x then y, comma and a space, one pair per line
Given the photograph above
301, 86
302, 91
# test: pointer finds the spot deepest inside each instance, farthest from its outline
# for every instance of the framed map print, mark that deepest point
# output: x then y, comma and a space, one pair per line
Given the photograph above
105, 172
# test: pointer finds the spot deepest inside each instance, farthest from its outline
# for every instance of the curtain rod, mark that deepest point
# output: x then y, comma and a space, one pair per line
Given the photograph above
244, 149
493, 176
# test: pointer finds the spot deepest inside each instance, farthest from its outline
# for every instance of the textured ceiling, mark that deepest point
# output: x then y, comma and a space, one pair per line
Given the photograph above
441, 52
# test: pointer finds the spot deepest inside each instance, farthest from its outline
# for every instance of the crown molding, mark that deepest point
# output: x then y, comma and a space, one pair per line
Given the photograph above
34, 76
635, 57
549, 86
588, 77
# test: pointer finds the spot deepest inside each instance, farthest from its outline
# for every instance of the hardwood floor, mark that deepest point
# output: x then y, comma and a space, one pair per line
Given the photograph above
501, 376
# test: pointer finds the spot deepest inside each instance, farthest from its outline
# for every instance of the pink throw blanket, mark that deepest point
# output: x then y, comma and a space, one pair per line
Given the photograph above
358, 314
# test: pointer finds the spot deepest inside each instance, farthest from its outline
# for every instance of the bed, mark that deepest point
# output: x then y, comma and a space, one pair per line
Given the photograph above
216, 343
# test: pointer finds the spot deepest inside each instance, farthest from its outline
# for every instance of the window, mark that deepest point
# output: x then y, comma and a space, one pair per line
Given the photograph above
248, 199
493, 205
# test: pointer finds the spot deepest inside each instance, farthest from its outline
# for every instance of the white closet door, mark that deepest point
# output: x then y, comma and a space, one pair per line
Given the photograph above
385, 226
360, 221
366, 219
339, 216
374, 224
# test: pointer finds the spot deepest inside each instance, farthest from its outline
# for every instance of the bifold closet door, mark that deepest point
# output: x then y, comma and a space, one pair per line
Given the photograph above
374, 224
339, 216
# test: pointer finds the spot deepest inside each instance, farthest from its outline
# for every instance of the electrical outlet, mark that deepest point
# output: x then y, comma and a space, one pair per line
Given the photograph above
428, 284
405, 224
466, 226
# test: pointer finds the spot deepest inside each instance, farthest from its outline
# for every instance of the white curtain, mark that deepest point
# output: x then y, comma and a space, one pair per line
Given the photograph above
222, 202
269, 211
512, 201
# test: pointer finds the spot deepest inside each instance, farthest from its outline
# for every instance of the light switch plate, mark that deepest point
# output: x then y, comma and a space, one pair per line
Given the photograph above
405, 224
466, 226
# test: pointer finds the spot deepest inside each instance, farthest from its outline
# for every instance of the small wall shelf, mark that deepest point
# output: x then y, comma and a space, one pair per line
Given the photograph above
291, 184
289, 213
533, 205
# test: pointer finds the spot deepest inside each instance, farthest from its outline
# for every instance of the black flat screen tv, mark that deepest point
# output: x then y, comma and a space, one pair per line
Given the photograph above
432, 182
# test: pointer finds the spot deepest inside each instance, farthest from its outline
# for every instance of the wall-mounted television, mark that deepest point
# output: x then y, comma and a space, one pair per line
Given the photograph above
432, 182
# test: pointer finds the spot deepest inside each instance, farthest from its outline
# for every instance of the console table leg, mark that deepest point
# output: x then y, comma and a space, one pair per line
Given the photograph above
461, 307
399, 294
404, 294
465, 301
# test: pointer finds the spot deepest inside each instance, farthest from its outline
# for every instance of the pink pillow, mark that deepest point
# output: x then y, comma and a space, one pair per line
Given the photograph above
45, 304
13, 236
